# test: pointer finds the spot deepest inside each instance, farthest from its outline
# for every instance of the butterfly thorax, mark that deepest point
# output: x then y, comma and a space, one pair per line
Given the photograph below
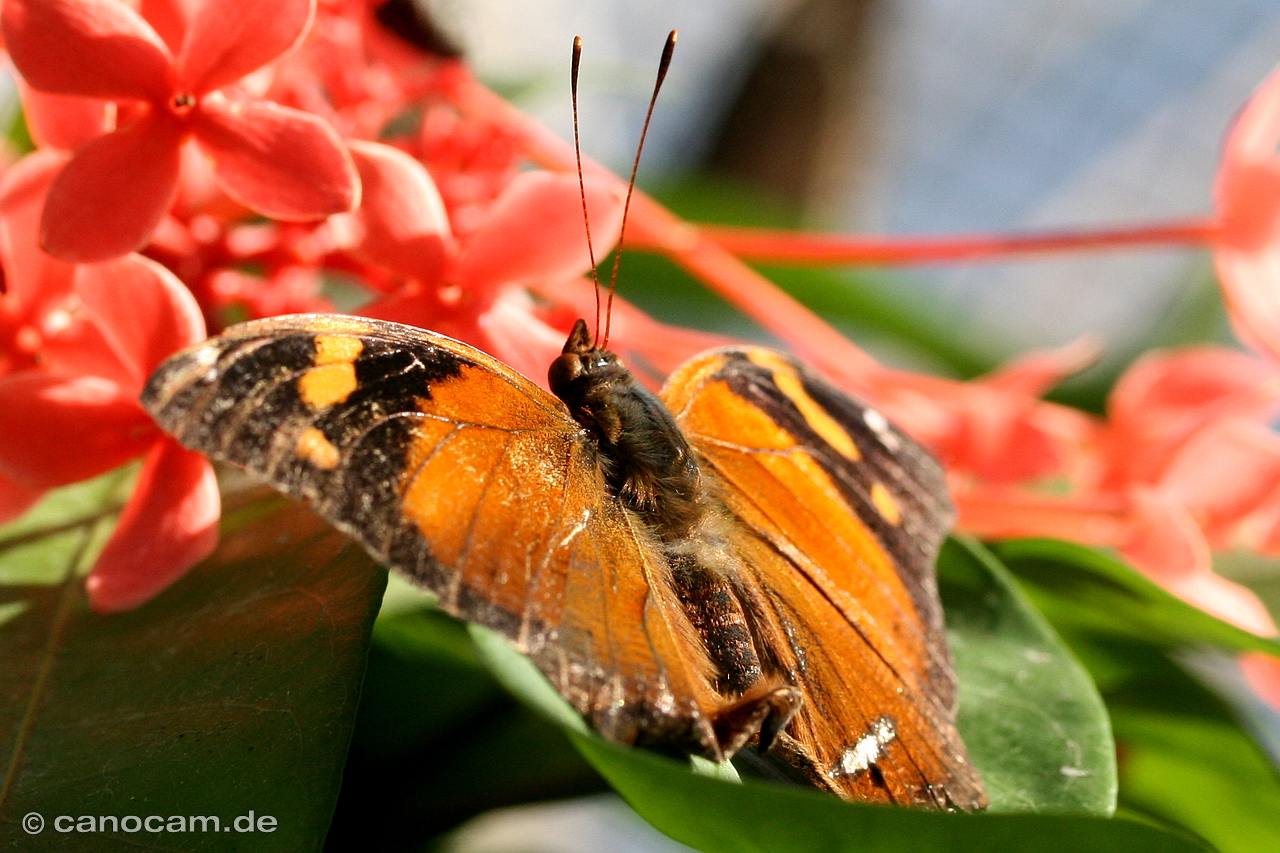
646, 460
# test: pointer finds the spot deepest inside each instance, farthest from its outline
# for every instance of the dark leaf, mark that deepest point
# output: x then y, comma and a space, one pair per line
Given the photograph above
232, 692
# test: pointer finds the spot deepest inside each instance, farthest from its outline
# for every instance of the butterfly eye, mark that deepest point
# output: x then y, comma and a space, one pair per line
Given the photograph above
563, 371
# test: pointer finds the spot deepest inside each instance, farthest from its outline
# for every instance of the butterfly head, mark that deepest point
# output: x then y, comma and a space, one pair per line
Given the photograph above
581, 364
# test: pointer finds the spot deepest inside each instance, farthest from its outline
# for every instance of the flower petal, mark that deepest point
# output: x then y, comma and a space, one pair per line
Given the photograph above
113, 193
1247, 190
281, 162
227, 39
1251, 285
142, 310
1263, 672
63, 121
55, 430
534, 232
406, 228
1168, 546
15, 498
517, 337
35, 279
1038, 371
1225, 472
1227, 600
1248, 184
169, 524
1165, 396
1165, 542
169, 18
999, 512
92, 48
998, 435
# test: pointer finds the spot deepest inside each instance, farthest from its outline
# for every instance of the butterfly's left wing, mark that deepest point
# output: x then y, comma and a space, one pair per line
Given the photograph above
841, 517
456, 470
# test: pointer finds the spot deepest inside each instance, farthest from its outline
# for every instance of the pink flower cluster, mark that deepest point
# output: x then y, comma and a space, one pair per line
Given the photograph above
231, 143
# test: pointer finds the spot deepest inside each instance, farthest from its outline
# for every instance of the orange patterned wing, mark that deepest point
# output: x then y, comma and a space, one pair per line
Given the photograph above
452, 468
841, 519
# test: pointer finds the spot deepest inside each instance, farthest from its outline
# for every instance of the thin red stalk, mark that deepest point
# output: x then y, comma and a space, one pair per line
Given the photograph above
809, 336
777, 246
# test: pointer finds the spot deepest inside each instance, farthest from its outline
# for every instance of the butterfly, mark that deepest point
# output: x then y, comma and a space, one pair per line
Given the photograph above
741, 564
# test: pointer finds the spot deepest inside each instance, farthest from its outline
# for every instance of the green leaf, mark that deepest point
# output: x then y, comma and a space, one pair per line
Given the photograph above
233, 691
1080, 587
438, 740
38, 547
1033, 721
722, 817
424, 680
1203, 774
1187, 757
718, 816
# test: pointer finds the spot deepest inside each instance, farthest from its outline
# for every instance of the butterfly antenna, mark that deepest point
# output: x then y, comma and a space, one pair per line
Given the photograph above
582, 186
665, 62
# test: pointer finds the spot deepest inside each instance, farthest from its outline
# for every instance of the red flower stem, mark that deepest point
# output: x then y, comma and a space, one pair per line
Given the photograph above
777, 246
808, 335
654, 227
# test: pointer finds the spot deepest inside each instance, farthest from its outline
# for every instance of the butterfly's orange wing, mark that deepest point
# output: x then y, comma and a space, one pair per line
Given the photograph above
841, 517
451, 467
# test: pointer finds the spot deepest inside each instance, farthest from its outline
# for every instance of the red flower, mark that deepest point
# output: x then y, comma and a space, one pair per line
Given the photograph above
81, 341
477, 290
278, 161
1247, 248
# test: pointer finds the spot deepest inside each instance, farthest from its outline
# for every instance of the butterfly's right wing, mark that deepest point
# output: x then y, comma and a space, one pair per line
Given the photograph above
459, 472
840, 517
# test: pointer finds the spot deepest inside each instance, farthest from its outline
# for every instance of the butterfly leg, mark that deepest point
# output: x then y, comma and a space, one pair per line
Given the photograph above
765, 711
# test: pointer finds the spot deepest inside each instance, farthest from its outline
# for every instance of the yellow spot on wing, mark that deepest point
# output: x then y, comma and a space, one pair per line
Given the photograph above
316, 449
788, 382
885, 504
328, 384
333, 349
333, 377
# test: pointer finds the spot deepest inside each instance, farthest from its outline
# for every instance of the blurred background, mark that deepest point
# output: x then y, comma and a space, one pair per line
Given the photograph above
918, 117
875, 116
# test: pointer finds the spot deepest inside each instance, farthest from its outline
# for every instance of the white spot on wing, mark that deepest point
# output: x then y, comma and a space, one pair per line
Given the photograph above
879, 424
868, 749
206, 358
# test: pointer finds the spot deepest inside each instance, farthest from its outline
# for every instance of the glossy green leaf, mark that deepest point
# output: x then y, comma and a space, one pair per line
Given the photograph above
38, 547
438, 740
1203, 774
1029, 713
1079, 586
714, 815
1187, 759
233, 691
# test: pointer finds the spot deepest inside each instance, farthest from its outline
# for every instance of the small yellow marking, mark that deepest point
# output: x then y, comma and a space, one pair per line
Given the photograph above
885, 504
788, 382
326, 385
334, 376
316, 449
332, 349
